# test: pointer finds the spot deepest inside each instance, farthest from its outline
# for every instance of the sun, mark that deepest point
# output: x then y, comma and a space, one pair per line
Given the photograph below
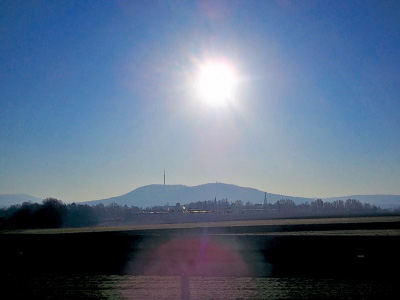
216, 83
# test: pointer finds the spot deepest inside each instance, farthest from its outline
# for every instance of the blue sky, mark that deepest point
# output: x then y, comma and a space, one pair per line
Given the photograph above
96, 98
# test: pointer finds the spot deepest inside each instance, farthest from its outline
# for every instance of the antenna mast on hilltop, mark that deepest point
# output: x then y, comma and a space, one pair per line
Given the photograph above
164, 176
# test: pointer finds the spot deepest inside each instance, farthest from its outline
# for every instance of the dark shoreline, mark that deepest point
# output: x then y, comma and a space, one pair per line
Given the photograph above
272, 255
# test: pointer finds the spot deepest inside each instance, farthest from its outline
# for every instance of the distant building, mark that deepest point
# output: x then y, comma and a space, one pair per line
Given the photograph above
265, 200
258, 206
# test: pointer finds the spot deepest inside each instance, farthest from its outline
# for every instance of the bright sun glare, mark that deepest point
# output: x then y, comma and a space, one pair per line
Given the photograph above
216, 83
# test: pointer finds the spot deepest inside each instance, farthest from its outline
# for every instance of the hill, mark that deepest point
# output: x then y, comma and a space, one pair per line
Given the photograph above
12, 199
157, 194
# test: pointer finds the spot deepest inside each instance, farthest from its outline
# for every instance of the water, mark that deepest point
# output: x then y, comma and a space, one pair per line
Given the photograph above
169, 287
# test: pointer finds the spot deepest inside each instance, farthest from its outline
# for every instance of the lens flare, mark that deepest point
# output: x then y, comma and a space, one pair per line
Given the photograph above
216, 83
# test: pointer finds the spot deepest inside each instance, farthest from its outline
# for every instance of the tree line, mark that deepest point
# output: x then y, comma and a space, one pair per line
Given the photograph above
53, 213
284, 206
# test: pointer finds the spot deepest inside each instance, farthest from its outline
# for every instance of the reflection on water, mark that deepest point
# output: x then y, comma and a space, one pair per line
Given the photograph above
190, 256
168, 287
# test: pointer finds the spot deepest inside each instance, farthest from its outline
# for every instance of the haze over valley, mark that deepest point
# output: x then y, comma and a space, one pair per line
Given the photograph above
158, 195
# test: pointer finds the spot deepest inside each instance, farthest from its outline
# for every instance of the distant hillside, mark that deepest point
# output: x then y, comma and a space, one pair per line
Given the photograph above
12, 199
155, 194
383, 201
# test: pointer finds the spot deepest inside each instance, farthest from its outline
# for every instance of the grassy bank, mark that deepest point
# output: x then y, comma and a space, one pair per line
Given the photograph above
390, 226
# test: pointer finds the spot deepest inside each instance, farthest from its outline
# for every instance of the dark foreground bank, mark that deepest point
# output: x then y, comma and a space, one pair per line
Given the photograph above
258, 254
258, 251
95, 287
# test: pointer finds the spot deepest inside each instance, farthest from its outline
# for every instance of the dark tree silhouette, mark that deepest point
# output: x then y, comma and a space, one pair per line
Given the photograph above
51, 214
80, 215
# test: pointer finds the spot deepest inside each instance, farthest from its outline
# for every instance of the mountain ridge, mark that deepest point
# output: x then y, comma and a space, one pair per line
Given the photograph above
13, 199
159, 195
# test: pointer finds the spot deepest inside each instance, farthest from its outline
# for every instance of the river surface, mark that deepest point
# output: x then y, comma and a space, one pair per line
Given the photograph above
48, 286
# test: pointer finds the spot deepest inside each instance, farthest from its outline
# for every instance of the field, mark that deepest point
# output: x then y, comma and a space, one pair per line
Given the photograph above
258, 259
280, 225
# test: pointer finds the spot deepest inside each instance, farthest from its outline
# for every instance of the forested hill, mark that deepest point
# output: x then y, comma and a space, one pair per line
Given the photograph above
152, 195
157, 194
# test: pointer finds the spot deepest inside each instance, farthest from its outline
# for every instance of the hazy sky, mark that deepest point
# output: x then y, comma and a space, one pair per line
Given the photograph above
96, 99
